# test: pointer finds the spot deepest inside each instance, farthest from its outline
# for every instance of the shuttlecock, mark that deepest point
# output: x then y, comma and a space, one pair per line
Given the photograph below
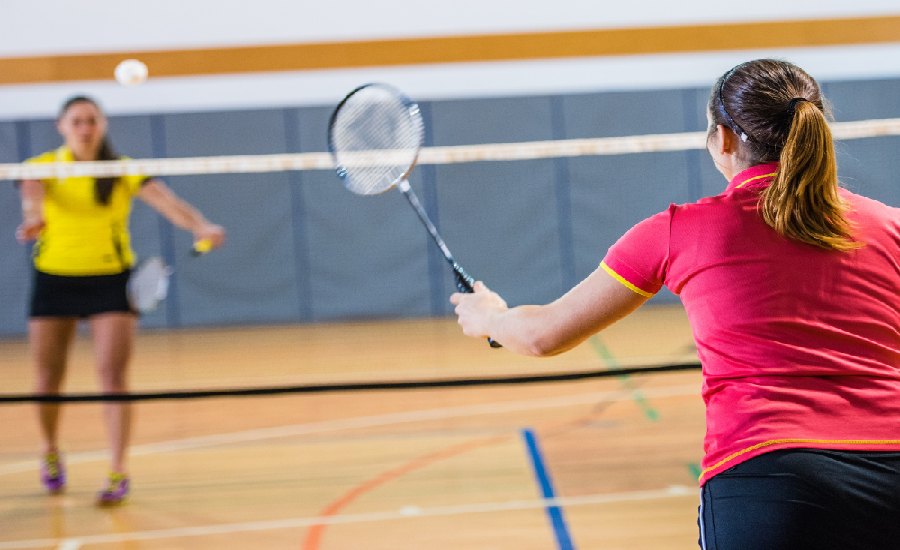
131, 72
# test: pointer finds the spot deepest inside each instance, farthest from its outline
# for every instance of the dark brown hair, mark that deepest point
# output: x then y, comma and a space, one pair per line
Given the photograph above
777, 111
103, 187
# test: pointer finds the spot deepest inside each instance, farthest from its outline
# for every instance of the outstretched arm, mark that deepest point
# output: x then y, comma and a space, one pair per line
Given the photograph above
592, 305
32, 192
162, 199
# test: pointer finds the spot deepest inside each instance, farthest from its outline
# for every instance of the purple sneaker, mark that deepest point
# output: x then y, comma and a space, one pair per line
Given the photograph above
115, 492
53, 473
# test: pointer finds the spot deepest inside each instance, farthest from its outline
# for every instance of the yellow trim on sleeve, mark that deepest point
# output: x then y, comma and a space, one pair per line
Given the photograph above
769, 443
624, 281
754, 178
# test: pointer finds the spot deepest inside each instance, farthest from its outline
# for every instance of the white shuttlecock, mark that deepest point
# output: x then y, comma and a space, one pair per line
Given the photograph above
131, 72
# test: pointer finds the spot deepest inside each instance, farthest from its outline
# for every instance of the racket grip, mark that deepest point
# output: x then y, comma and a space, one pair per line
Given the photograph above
465, 283
201, 247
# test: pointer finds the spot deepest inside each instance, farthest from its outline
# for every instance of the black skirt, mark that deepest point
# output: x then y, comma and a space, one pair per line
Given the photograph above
78, 296
804, 499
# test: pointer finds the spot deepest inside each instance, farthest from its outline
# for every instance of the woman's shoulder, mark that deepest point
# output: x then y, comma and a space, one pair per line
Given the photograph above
701, 206
869, 206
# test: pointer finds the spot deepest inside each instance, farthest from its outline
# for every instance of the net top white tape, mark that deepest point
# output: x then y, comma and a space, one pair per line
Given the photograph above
243, 164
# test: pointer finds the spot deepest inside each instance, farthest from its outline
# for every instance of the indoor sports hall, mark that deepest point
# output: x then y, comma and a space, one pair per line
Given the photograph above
306, 385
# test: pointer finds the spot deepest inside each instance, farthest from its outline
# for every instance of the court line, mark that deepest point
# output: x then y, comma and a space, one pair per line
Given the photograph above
314, 533
231, 438
555, 513
603, 351
674, 491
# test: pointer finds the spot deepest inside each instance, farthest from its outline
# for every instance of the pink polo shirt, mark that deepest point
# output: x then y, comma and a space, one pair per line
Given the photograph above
800, 346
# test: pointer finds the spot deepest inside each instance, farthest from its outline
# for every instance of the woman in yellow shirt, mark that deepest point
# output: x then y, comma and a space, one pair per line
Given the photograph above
82, 261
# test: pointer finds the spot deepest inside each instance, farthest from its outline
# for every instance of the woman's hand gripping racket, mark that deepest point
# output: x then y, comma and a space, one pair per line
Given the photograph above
374, 135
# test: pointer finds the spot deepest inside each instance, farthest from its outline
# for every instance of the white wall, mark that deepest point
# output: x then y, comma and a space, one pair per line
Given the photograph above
66, 26
57, 27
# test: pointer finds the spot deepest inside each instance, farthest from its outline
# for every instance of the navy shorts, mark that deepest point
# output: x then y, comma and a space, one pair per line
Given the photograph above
804, 499
78, 296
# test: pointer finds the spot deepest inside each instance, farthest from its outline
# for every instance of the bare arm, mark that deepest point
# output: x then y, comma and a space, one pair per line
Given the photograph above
32, 193
162, 199
592, 305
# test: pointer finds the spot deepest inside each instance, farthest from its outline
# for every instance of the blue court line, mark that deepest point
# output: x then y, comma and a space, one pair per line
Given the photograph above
554, 512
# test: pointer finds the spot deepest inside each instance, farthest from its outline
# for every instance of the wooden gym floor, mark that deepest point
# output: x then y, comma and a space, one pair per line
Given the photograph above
426, 469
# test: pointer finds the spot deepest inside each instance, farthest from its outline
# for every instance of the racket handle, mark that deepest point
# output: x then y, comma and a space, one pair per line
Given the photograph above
201, 247
465, 283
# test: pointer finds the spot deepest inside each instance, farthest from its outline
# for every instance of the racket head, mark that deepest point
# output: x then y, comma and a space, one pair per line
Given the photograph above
374, 136
148, 284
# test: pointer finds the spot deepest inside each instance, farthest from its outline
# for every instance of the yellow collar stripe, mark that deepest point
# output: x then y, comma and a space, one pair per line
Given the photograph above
754, 178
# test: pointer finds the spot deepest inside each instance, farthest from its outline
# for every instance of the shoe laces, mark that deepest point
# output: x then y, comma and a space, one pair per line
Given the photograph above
114, 480
52, 463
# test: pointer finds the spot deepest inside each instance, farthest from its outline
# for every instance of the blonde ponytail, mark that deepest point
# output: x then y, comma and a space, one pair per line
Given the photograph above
802, 203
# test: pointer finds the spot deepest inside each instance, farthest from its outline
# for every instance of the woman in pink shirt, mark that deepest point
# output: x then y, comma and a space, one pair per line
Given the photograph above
792, 288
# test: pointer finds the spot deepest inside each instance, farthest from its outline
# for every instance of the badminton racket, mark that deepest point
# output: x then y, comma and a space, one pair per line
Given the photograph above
148, 284
374, 135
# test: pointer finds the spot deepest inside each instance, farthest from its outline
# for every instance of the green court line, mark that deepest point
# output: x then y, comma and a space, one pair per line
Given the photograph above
650, 413
637, 396
695, 470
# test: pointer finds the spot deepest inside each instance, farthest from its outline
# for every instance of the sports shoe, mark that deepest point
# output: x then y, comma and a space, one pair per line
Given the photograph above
116, 490
53, 473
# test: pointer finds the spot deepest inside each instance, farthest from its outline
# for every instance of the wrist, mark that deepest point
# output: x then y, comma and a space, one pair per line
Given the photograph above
30, 210
200, 226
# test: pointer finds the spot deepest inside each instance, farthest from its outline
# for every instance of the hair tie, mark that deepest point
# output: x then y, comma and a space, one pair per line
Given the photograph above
792, 104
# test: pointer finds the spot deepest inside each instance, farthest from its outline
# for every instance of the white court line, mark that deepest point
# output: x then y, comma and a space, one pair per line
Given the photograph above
362, 422
675, 491
70, 544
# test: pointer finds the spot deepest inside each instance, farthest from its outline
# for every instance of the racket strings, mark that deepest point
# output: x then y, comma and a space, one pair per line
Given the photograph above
375, 138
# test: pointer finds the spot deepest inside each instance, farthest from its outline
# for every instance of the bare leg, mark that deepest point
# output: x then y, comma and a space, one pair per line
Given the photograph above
49, 341
113, 335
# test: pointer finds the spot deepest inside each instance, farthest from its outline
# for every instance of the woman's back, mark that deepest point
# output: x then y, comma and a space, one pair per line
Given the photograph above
800, 345
793, 307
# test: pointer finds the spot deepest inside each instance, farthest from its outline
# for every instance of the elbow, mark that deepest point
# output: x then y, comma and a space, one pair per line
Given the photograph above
535, 332
548, 351
542, 345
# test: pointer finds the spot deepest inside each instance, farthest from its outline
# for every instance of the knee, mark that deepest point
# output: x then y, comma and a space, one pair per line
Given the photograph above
49, 379
113, 377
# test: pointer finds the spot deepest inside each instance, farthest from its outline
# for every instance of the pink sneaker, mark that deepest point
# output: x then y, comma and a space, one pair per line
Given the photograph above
115, 492
53, 473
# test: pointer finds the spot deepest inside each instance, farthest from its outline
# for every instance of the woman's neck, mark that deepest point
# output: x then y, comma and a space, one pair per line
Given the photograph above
84, 153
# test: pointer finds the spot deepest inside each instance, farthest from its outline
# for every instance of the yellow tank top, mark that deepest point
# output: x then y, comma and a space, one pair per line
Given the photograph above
81, 236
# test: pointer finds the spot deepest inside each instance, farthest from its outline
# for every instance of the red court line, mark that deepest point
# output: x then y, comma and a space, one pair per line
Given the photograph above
315, 532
